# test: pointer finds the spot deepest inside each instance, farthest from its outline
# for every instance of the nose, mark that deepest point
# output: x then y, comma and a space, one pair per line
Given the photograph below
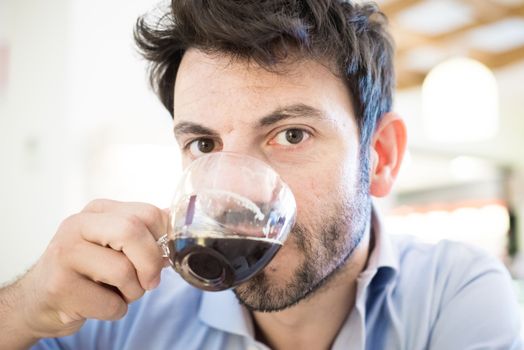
234, 177
237, 142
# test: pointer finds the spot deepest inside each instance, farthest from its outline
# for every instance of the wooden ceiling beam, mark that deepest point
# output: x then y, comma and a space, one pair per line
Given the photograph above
405, 39
485, 12
482, 20
407, 78
392, 7
487, 9
498, 60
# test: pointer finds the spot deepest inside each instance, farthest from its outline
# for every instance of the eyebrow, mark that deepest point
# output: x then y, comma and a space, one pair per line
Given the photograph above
293, 111
193, 128
299, 110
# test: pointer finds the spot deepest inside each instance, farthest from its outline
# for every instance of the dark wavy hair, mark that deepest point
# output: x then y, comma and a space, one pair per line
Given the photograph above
351, 37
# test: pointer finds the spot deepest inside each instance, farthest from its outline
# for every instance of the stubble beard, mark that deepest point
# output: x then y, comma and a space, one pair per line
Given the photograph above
321, 261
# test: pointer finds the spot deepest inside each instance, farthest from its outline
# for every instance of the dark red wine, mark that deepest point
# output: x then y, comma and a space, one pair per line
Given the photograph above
218, 263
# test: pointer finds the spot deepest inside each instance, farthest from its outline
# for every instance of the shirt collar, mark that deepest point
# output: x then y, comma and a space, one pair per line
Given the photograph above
383, 263
383, 255
222, 310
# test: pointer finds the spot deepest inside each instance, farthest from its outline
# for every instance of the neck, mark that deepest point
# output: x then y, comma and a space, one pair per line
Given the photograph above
315, 321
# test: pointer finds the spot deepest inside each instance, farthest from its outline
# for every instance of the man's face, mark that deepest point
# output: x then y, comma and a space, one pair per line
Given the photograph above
301, 123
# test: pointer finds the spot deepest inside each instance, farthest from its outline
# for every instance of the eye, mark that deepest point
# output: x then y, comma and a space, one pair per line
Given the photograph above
290, 137
201, 146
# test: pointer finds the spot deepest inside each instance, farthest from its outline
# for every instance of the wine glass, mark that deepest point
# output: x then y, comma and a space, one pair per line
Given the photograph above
230, 215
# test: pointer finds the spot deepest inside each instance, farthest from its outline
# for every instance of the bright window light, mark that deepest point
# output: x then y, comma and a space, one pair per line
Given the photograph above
485, 225
135, 172
460, 102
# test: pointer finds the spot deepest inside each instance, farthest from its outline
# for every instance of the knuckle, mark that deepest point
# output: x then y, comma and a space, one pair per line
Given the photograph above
97, 204
152, 215
55, 250
115, 308
132, 227
53, 269
93, 205
56, 254
65, 243
70, 223
55, 286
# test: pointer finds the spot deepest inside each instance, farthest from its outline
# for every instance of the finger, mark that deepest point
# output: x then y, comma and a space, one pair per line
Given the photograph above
85, 299
156, 219
105, 265
127, 234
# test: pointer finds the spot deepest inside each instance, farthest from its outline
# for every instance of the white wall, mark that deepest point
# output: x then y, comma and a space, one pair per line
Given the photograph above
32, 129
77, 103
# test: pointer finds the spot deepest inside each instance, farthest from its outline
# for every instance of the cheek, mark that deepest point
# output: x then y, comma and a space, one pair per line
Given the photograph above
320, 188
313, 195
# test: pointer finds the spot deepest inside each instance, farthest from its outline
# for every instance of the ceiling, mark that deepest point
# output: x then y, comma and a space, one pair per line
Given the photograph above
427, 32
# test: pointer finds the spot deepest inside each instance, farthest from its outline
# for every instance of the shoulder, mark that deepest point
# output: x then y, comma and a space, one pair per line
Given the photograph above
445, 257
445, 268
447, 265
458, 292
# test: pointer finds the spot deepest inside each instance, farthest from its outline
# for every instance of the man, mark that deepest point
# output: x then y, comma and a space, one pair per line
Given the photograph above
306, 86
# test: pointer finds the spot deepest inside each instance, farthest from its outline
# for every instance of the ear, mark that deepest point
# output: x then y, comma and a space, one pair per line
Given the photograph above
386, 153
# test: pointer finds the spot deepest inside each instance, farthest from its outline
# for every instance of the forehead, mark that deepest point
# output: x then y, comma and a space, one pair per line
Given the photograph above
220, 86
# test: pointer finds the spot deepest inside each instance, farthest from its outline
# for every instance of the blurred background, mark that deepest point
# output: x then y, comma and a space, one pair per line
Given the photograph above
78, 121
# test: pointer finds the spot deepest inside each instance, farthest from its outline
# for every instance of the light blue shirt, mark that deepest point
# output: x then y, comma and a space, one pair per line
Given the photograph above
411, 296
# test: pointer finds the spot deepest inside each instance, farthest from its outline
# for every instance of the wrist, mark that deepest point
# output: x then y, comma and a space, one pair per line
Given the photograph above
16, 333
